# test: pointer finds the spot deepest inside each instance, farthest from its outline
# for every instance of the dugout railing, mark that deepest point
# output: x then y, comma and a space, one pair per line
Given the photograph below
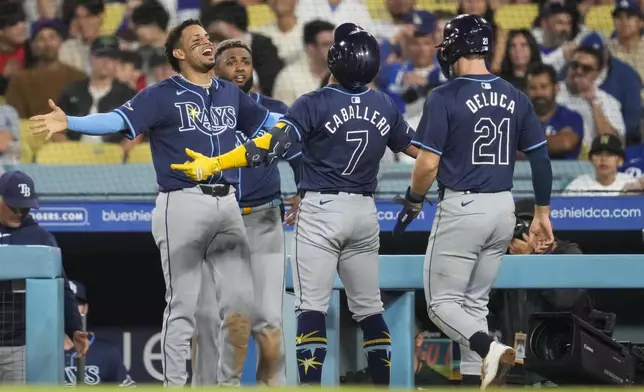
401, 276
41, 268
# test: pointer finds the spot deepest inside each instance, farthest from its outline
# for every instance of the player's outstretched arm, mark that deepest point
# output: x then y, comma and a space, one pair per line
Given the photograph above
94, 124
265, 149
540, 235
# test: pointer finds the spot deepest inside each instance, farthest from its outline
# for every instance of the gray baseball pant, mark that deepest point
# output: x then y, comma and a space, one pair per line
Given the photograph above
470, 234
192, 228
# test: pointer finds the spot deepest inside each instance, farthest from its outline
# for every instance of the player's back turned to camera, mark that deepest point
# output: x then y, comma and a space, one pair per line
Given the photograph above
469, 133
344, 128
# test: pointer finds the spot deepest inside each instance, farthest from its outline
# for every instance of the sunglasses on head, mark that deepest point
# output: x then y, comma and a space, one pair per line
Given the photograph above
584, 68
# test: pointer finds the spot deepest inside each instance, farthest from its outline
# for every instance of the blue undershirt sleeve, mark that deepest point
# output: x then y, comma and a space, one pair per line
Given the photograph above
541, 175
97, 124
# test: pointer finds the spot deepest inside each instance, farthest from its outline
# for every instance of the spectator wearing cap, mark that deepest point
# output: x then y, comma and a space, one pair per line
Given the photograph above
13, 34
628, 44
29, 90
17, 227
411, 23
74, 52
601, 112
619, 80
129, 70
407, 82
100, 93
607, 155
286, 32
564, 128
306, 74
229, 19
336, 12
558, 33
104, 361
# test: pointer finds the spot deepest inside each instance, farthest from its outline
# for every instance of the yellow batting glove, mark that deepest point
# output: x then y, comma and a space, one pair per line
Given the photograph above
200, 168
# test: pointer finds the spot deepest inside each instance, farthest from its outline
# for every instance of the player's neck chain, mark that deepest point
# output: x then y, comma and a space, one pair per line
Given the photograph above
205, 86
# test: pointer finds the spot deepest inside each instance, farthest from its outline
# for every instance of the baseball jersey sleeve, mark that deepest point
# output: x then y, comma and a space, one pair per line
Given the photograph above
531, 133
401, 134
142, 113
302, 116
251, 116
431, 134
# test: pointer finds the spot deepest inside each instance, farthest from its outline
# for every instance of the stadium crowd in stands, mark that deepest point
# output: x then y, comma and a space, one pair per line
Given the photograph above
581, 63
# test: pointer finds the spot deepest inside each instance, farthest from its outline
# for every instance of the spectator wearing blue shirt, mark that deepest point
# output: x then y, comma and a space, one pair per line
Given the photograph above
104, 361
564, 128
622, 82
634, 161
407, 82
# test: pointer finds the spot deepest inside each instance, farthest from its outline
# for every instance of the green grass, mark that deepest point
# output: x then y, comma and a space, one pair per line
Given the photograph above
158, 388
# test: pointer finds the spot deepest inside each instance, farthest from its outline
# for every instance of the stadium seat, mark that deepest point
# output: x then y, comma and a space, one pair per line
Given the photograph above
27, 138
259, 15
79, 153
26, 155
599, 18
140, 154
516, 16
113, 16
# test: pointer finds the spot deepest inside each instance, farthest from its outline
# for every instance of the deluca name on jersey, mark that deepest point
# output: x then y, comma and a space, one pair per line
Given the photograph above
490, 98
357, 112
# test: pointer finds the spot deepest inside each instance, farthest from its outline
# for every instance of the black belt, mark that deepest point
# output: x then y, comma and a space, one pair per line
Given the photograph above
217, 190
367, 194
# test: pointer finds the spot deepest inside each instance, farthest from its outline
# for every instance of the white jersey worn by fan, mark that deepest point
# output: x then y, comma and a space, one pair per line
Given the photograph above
587, 185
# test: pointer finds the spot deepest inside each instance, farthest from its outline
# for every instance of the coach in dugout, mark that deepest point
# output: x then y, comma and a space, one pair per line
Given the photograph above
104, 362
17, 227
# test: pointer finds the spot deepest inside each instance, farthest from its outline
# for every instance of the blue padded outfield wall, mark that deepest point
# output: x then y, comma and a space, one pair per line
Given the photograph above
42, 268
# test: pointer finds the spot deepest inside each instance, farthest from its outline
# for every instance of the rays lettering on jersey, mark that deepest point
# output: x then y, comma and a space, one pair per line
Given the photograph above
193, 117
357, 112
489, 98
92, 375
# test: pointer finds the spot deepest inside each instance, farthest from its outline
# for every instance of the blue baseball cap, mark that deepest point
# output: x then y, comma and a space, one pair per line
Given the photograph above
17, 190
424, 21
628, 6
79, 290
594, 40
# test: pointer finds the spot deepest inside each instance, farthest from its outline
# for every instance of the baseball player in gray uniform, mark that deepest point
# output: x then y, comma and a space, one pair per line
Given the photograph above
345, 129
469, 133
193, 222
260, 202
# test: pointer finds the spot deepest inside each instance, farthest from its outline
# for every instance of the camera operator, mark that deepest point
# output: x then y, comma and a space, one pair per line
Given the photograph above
514, 307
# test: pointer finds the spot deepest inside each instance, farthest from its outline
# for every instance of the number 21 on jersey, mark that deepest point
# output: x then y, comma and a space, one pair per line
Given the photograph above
492, 146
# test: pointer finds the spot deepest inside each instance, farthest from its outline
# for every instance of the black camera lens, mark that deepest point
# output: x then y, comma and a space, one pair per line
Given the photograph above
552, 341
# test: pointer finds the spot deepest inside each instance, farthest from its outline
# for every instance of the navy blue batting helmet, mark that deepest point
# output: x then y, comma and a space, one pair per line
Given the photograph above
354, 58
463, 35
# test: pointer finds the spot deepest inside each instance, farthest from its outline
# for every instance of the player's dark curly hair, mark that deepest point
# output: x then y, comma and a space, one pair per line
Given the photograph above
173, 40
230, 44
